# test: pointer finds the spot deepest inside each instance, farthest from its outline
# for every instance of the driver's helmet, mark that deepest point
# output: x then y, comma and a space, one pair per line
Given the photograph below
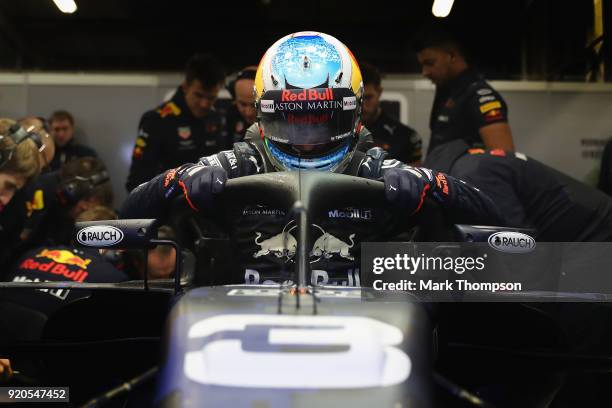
308, 91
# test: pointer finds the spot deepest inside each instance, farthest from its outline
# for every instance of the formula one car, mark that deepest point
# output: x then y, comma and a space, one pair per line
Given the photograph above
204, 340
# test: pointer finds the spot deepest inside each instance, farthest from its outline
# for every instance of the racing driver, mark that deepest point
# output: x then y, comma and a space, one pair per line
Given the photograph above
308, 93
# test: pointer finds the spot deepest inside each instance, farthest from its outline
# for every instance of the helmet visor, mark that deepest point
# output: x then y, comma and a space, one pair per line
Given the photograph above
308, 119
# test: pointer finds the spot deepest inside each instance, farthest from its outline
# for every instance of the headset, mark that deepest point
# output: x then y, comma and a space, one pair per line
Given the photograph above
18, 134
78, 187
246, 73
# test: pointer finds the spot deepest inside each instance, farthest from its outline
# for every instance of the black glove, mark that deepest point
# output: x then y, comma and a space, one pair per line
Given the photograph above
196, 182
406, 188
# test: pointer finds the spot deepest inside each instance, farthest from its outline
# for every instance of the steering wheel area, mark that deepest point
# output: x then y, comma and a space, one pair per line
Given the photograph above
211, 232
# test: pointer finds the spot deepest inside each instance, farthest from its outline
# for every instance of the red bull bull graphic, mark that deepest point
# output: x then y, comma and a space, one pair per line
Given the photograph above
284, 244
279, 245
327, 245
65, 257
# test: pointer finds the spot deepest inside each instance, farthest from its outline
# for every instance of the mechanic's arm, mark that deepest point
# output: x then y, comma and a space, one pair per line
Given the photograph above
147, 151
415, 155
497, 136
6, 371
488, 112
410, 186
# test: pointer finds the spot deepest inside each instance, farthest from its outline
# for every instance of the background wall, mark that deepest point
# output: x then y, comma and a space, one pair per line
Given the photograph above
561, 124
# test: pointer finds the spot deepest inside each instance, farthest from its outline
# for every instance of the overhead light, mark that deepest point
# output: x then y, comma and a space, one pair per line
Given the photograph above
442, 8
66, 6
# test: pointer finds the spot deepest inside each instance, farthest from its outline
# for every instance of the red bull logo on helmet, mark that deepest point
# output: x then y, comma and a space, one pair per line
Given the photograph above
325, 94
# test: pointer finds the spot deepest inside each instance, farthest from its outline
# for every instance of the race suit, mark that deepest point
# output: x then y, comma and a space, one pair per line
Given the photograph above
266, 239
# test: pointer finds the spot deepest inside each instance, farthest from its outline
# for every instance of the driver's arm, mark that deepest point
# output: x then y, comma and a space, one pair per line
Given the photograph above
410, 186
197, 182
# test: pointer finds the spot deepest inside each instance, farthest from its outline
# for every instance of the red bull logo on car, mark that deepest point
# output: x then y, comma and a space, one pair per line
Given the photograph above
284, 244
280, 245
62, 264
328, 245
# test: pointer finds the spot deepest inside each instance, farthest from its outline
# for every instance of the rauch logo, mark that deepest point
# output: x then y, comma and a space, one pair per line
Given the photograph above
512, 242
99, 236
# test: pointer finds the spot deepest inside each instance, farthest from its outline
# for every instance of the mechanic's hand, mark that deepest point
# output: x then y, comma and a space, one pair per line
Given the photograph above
406, 187
197, 183
6, 372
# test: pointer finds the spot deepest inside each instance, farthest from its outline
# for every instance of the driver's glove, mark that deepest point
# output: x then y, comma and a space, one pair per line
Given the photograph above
409, 186
196, 182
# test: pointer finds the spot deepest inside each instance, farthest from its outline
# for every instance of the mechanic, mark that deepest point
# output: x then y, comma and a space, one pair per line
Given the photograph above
308, 96
529, 193
400, 141
6, 371
184, 128
161, 259
242, 113
57, 198
47, 144
61, 124
58, 263
26, 128
560, 209
465, 105
19, 164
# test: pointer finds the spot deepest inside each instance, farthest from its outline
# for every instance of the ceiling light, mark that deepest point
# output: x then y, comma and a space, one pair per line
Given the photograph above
441, 8
66, 6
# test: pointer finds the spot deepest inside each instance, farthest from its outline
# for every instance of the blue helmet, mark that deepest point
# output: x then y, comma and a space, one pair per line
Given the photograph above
308, 91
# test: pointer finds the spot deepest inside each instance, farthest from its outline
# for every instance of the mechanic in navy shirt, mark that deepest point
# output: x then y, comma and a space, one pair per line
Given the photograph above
19, 165
61, 125
55, 263
241, 115
184, 128
465, 105
400, 141
529, 193
57, 198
